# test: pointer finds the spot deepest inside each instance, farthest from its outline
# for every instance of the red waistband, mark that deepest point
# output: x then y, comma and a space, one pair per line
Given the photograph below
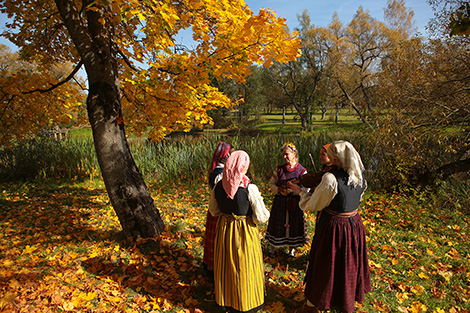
343, 214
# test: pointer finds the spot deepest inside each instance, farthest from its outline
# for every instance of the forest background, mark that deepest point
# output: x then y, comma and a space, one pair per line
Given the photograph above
73, 236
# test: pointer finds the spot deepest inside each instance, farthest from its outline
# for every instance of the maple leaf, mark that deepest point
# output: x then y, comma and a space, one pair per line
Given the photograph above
417, 307
402, 297
68, 306
418, 290
423, 275
276, 307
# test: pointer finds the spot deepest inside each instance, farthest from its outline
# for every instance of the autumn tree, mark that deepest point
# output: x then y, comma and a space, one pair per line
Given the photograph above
367, 42
299, 79
400, 19
140, 78
425, 116
25, 106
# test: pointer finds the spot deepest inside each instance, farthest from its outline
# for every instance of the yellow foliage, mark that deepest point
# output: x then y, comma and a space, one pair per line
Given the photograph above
417, 307
160, 80
25, 107
171, 82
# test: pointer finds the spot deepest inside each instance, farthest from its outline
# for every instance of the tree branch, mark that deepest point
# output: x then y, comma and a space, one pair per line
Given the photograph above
126, 60
54, 86
445, 171
351, 101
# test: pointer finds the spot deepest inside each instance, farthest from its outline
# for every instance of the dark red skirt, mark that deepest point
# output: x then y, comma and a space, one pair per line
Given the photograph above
209, 239
338, 273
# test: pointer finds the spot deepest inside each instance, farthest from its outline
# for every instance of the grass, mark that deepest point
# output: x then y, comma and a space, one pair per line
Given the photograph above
61, 250
272, 123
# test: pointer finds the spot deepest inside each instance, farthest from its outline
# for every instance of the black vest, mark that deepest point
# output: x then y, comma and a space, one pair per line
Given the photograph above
239, 205
347, 199
213, 175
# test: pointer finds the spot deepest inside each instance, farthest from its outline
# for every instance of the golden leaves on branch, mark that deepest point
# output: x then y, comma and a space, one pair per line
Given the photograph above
24, 112
166, 85
172, 89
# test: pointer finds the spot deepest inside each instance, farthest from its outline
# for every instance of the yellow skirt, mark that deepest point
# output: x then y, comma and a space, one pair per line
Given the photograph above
238, 264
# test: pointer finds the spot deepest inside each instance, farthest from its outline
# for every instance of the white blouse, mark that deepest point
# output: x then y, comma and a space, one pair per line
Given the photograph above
322, 196
260, 213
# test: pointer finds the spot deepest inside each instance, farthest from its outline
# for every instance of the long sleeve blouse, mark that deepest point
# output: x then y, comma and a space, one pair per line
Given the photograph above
260, 213
321, 196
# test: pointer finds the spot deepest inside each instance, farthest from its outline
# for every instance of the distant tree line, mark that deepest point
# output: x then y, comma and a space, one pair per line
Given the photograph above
412, 91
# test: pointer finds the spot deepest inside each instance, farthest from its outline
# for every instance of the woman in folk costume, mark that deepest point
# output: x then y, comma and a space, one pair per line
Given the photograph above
221, 154
238, 260
338, 270
287, 222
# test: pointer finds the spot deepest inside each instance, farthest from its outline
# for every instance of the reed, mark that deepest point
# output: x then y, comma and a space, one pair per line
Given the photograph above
47, 158
188, 157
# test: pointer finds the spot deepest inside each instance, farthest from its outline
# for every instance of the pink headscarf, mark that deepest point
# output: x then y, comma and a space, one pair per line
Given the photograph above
233, 176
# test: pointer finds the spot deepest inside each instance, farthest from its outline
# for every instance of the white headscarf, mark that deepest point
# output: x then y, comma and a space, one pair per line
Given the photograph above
233, 176
350, 159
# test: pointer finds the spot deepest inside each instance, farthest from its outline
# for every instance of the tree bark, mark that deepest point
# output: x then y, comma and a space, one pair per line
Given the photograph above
126, 188
445, 171
452, 168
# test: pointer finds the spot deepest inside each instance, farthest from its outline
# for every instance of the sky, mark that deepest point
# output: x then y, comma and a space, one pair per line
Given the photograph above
320, 11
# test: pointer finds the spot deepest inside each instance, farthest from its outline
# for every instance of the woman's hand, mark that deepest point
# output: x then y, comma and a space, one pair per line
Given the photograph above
293, 187
285, 191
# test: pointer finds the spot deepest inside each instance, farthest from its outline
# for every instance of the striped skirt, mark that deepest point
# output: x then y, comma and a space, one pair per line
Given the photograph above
238, 265
338, 272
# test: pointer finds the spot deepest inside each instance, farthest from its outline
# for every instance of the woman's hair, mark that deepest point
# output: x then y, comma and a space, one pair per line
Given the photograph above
291, 146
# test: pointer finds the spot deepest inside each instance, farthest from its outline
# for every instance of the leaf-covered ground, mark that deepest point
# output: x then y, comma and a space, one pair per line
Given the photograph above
61, 250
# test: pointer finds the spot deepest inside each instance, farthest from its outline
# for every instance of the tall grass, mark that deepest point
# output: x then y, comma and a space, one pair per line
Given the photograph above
185, 157
188, 157
47, 158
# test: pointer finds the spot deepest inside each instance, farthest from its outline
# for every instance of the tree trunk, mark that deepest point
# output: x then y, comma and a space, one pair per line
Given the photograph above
126, 188
367, 98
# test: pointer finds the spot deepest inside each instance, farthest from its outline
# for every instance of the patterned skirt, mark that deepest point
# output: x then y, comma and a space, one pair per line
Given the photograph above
238, 265
209, 239
286, 225
338, 273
